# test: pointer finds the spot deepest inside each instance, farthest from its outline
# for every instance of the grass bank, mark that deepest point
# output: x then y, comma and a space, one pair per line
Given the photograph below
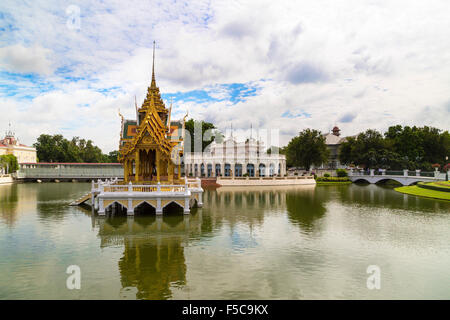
420, 191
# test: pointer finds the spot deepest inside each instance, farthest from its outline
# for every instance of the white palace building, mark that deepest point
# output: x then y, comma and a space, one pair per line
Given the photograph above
234, 159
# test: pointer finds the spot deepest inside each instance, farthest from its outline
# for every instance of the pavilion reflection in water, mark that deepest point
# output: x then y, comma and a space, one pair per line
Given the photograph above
153, 261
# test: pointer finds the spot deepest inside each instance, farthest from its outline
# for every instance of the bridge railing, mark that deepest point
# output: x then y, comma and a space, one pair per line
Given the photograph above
110, 186
404, 173
70, 172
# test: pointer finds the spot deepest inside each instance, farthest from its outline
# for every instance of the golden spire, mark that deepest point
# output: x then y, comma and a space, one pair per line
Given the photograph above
153, 85
170, 114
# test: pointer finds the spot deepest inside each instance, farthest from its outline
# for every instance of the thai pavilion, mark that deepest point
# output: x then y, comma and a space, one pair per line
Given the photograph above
152, 145
150, 150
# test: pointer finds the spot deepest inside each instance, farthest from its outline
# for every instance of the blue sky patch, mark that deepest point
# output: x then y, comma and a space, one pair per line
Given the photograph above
234, 92
290, 115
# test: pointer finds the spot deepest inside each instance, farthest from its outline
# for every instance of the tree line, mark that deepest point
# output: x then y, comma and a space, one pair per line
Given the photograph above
398, 148
56, 148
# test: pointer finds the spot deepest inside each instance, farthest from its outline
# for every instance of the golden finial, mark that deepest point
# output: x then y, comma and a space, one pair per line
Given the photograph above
153, 85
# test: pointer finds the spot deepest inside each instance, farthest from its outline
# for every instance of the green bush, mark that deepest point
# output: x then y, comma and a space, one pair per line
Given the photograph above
333, 179
341, 173
245, 175
326, 175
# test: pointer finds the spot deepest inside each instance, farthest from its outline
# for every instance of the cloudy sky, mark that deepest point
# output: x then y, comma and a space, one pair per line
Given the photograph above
282, 65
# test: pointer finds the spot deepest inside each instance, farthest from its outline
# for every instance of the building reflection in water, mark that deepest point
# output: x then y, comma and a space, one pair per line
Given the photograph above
153, 260
306, 206
15, 200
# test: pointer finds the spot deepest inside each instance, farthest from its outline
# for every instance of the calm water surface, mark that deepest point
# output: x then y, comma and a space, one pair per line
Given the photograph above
265, 243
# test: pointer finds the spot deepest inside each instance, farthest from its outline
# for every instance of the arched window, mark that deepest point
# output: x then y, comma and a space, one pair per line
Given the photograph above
227, 170
202, 170
209, 168
271, 169
238, 170
262, 169
218, 173
251, 169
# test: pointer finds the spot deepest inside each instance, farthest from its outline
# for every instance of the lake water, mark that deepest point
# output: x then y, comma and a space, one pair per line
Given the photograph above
260, 243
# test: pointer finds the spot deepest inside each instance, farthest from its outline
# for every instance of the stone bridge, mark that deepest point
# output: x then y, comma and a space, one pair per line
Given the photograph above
404, 177
69, 171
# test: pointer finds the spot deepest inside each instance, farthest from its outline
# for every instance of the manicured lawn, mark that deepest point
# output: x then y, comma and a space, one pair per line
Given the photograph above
442, 184
421, 192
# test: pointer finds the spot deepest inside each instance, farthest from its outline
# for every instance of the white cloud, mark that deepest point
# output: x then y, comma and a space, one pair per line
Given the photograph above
20, 59
357, 64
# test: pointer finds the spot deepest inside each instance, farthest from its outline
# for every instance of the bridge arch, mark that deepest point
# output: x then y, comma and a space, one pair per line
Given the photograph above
118, 206
361, 180
390, 178
110, 205
144, 207
172, 206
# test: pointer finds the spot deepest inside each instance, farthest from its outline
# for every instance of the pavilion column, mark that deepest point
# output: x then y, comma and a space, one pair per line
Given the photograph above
137, 166
158, 169
125, 170
170, 170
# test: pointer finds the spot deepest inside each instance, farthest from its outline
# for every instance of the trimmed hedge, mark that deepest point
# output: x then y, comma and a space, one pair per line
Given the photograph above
332, 179
433, 187
341, 173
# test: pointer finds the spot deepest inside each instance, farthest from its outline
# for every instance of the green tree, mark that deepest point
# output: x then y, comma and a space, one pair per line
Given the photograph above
366, 150
306, 149
206, 140
58, 149
9, 163
112, 156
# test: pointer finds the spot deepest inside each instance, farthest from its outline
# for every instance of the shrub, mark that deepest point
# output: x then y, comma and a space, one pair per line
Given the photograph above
245, 175
332, 179
341, 173
326, 175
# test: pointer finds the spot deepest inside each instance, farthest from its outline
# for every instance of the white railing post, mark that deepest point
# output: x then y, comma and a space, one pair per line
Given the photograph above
372, 172
158, 186
92, 185
417, 173
448, 175
130, 187
199, 183
405, 172
383, 172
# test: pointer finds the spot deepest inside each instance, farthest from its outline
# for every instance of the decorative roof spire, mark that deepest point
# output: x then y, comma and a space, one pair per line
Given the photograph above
153, 85
170, 114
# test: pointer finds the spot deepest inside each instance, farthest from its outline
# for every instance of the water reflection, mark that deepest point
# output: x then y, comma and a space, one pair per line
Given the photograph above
14, 200
153, 259
305, 206
267, 242
385, 197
